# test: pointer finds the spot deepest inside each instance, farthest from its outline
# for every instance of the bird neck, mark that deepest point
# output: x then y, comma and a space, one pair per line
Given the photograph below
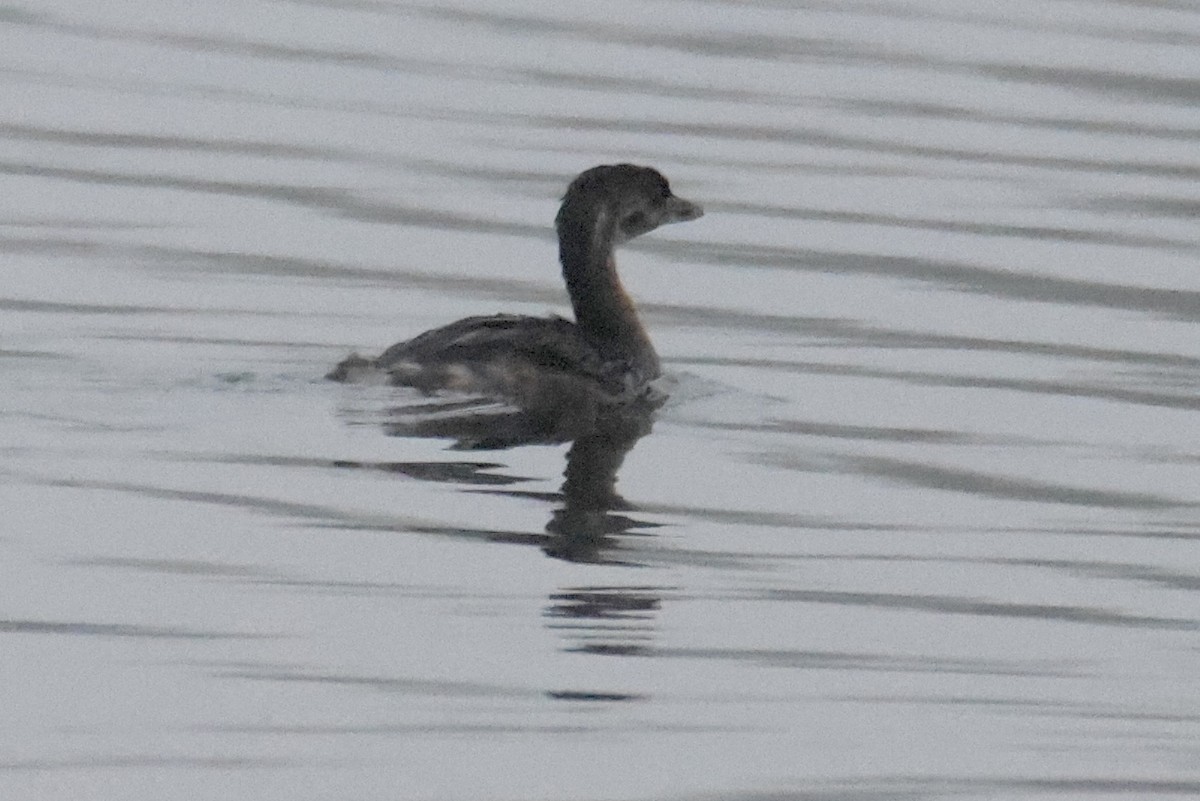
603, 309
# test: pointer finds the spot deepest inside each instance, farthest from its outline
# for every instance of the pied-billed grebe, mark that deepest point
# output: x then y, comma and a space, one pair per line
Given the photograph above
603, 356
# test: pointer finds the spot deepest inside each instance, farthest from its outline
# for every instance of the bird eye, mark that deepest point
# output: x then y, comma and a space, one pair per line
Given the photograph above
664, 190
634, 220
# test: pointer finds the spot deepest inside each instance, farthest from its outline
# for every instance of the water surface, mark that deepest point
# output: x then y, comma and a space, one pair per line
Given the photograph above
920, 519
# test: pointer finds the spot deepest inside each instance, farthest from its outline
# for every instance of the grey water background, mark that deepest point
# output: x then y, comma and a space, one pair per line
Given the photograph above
920, 520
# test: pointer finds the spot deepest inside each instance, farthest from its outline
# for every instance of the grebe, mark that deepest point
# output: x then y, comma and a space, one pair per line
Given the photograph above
604, 357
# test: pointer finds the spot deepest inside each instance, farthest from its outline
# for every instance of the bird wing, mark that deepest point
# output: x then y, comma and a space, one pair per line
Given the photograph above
549, 343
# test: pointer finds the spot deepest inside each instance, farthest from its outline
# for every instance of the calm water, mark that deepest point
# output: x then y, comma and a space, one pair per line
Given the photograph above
921, 520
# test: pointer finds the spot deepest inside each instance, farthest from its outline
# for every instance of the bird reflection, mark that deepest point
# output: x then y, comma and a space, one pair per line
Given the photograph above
589, 520
592, 515
612, 621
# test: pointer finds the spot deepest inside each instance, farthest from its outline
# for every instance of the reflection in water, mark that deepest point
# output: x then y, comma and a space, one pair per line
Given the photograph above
606, 620
586, 527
